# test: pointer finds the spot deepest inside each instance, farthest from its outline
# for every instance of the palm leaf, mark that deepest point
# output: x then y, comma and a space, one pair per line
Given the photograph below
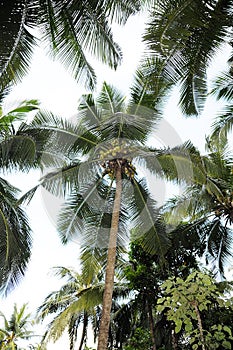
186, 33
15, 243
223, 86
222, 125
75, 28
16, 55
120, 11
65, 137
151, 85
145, 218
111, 101
181, 164
219, 244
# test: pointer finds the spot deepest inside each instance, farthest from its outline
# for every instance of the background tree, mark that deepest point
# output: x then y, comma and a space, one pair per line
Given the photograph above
144, 274
16, 328
184, 302
75, 305
207, 203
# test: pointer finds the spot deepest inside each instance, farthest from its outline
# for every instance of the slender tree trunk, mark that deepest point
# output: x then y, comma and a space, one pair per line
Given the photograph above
110, 268
174, 340
152, 326
85, 323
199, 324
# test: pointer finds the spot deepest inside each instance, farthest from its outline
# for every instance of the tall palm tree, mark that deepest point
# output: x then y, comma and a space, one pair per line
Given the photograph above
70, 29
16, 328
187, 35
103, 189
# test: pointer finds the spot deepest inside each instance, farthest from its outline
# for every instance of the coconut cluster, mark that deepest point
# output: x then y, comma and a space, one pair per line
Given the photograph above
115, 149
127, 168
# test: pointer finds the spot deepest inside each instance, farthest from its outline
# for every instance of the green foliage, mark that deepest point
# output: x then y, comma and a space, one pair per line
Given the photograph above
186, 35
186, 301
140, 340
15, 328
17, 114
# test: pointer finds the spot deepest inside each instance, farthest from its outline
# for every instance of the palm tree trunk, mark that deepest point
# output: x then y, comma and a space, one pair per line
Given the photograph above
199, 324
152, 326
110, 268
174, 340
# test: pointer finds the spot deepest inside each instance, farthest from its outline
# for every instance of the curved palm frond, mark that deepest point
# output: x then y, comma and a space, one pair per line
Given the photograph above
223, 86
145, 217
187, 33
74, 304
207, 204
15, 246
71, 28
120, 11
17, 43
222, 126
151, 86
219, 245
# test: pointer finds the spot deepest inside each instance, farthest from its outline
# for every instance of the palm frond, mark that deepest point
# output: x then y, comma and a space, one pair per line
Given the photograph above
87, 301
88, 112
66, 138
181, 164
190, 206
78, 209
219, 244
151, 85
75, 27
145, 217
18, 152
15, 243
60, 181
222, 126
17, 44
120, 11
111, 101
223, 86
186, 33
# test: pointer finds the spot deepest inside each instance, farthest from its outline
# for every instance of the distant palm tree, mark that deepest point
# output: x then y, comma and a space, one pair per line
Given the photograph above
70, 29
15, 329
74, 304
186, 34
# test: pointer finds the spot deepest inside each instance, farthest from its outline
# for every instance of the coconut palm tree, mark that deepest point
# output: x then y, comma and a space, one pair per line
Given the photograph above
75, 303
102, 154
207, 204
16, 328
69, 29
187, 34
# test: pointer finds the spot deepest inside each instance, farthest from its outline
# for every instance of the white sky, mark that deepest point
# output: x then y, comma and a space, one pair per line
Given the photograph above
58, 92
